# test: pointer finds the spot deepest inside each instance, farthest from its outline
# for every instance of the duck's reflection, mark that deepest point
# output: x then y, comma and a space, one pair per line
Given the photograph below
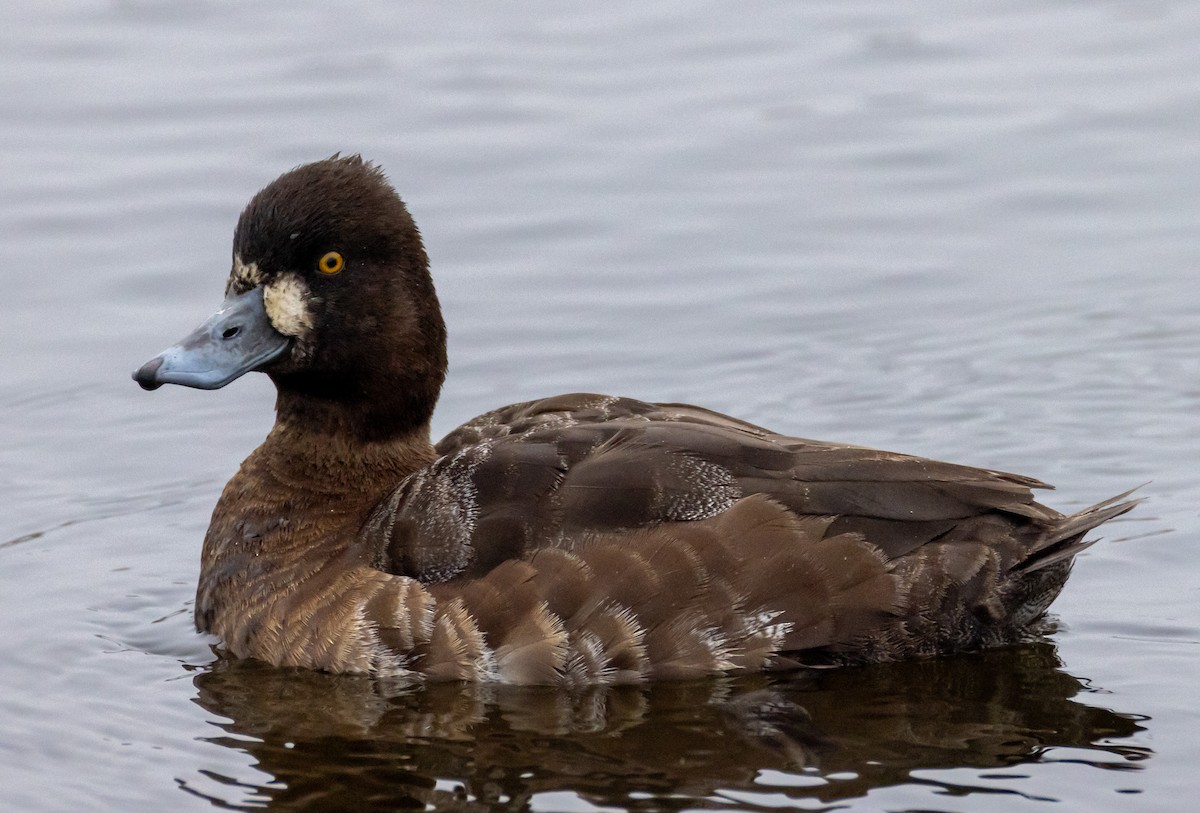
347, 743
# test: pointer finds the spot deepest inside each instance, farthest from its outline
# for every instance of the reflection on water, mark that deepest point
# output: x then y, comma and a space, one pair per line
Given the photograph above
328, 742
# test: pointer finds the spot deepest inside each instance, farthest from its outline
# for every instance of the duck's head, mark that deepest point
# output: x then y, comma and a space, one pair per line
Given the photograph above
330, 295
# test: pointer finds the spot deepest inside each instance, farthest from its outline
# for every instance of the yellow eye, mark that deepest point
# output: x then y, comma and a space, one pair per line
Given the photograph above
331, 262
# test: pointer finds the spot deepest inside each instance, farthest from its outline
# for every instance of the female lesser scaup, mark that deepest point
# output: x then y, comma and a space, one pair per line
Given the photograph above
577, 539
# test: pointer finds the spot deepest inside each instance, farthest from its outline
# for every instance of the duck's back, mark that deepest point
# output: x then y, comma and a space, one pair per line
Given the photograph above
608, 535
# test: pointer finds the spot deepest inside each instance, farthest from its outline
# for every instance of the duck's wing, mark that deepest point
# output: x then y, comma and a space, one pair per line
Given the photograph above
543, 473
588, 538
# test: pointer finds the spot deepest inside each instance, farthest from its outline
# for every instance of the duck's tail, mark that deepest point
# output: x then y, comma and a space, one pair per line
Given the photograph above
1065, 539
1037, 580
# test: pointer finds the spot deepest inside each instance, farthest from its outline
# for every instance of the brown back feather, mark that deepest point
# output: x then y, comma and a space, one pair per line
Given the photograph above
601, 539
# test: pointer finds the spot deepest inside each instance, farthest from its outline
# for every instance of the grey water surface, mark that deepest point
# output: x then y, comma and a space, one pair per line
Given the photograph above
961, 230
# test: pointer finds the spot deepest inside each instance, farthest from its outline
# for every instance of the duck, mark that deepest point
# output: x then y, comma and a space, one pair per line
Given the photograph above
578, 539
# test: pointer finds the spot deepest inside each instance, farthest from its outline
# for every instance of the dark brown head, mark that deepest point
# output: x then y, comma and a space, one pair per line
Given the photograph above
330, 295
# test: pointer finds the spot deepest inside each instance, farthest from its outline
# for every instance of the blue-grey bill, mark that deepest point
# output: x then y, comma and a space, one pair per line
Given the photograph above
233, 341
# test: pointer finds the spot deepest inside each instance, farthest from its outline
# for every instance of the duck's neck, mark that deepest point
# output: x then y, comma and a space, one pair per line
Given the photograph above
392, 413
342, 451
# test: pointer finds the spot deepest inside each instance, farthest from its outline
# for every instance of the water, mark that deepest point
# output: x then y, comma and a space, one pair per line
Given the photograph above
963, 231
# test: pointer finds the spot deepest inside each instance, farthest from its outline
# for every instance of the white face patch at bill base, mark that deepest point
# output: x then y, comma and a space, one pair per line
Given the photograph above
286, 299
244, 276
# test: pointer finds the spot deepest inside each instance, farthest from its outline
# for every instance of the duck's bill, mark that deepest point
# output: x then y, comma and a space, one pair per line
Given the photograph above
235, 340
